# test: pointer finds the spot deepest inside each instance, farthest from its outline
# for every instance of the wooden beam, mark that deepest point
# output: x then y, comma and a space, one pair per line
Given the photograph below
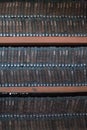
42, 40
43, 89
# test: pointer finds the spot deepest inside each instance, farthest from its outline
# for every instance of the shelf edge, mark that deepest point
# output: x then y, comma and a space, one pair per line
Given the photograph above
43, 40
43, 89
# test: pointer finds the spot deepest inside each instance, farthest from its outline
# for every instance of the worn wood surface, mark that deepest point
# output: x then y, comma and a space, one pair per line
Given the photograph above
42, 89
42, 40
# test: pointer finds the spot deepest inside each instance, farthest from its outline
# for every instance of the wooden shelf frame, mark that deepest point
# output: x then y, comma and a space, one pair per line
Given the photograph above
69, 89
42, 40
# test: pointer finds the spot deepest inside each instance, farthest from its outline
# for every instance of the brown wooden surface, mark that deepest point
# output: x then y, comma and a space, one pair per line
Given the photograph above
42, 89
43, 40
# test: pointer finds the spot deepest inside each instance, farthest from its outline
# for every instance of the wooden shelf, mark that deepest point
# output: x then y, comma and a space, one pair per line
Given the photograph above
43, 89
42, 40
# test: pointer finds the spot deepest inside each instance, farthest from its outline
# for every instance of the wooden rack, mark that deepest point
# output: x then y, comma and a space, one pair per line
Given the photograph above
43, 41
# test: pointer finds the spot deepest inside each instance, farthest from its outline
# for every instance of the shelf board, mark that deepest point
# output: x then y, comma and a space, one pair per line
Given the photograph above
43, 40
43, 89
